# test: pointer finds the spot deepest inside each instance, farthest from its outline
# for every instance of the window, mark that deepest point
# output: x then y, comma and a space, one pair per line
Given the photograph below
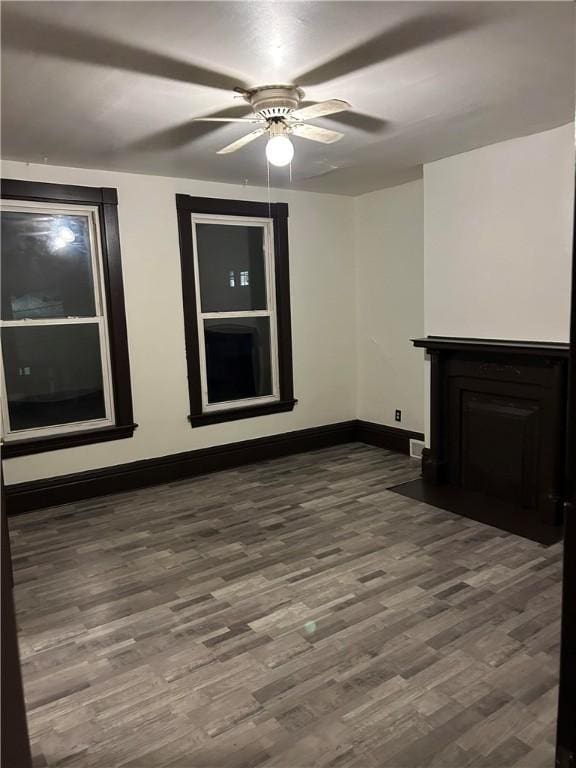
65, 367
235, 284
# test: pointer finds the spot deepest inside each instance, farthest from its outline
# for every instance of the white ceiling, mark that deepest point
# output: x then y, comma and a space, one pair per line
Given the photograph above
114, 84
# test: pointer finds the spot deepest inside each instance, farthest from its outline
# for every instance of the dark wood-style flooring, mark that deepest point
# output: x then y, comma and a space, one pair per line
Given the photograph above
288, 614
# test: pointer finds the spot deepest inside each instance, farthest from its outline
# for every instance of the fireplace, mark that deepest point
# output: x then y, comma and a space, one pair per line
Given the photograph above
497, 421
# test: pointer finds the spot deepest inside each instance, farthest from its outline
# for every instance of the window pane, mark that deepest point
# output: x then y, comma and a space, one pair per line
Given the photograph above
238, 358
46, 266
53, 374
231, 266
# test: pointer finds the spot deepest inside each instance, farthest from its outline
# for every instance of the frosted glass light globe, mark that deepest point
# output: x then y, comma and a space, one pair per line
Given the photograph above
279, 150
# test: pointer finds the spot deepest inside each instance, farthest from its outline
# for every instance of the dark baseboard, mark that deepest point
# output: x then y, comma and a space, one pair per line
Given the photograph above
391, 438
23, 497
38, 494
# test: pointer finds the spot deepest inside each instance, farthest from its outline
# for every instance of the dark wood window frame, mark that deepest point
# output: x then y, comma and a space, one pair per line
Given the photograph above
278, 213
106, 200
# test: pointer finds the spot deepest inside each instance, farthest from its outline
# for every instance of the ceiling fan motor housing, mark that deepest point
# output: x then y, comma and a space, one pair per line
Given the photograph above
274, 101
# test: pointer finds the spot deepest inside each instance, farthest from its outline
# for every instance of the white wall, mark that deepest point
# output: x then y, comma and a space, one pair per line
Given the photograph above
481, 248
323, 319
498, 239
390, 305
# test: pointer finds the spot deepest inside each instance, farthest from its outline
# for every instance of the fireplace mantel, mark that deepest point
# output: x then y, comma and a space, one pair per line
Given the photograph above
535, 348
497, 421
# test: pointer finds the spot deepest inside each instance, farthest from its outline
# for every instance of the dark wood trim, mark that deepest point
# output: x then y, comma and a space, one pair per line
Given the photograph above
190, 309
566, 724
234, 414
106, 199
283, 314
278, 212
116, 315
219, 206
14, 448
433, 458
20, 189
15, 741
537, 348
37, 494
498, 379
389, 438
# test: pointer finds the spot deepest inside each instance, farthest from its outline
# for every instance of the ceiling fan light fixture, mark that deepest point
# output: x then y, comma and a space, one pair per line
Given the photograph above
279, 150
276, 109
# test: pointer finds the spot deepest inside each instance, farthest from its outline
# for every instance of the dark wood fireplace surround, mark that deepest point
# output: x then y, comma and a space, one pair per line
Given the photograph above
498, 416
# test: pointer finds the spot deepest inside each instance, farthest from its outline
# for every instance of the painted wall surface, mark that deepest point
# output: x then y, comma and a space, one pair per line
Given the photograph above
323, 319
498, 239
480, 248
390, 305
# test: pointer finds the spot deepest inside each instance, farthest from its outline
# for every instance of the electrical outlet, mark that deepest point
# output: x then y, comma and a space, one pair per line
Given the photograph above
398, 415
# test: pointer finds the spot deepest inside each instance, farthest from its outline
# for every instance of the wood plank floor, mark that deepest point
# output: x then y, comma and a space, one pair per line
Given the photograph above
288, 614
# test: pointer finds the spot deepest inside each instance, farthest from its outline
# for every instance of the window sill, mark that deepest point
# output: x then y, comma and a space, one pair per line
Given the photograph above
13, 448
234, 414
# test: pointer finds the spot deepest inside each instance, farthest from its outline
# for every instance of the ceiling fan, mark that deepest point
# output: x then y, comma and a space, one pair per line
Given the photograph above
276, 110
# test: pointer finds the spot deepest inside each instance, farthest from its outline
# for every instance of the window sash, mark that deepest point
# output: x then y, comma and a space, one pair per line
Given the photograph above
89, 212
268, 240
100, 318
235, 313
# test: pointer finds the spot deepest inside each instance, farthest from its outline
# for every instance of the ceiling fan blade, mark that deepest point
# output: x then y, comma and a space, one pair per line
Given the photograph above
314, 133
176, 136
401, 38
25, 33
227, 120
322, 109
239, 143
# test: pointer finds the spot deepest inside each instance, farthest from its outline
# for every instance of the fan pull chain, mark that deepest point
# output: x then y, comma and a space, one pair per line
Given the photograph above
269, 203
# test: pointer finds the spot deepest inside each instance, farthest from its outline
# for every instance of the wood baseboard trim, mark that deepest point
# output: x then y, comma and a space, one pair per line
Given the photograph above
50, 492
390, 438
24, 497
